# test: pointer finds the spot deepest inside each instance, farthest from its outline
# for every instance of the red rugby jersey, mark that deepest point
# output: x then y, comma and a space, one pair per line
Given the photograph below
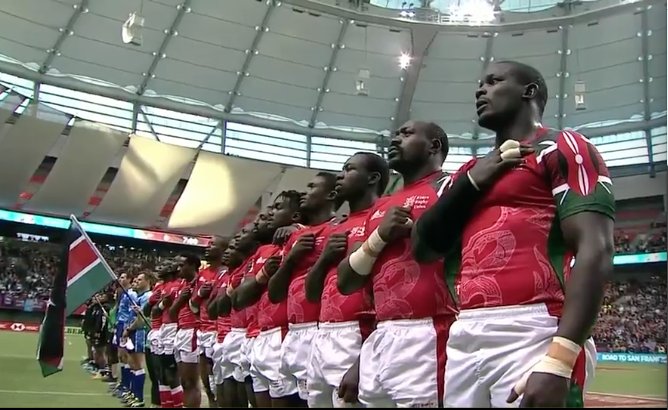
186, 319
300, 309
512, 249
155, 297
335, 307
206, 275
258, 261
238, 317
402, 287
171, 287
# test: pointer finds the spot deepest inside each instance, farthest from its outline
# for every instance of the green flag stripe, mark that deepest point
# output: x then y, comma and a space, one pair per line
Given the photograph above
80, 290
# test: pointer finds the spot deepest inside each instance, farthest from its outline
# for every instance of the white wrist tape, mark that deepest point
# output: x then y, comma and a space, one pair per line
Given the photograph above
510, 149
559, 361
472, 181
161, 306
375, 243
545, 365
193, 308
229, 290
511, 153
362, 259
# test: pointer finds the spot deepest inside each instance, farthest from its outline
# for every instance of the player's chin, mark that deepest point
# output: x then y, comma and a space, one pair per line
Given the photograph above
487, 120
395, 163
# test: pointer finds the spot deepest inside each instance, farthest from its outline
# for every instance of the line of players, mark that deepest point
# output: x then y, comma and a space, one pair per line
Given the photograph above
303, 308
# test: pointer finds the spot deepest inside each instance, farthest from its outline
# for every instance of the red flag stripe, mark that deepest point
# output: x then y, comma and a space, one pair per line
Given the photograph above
80, 257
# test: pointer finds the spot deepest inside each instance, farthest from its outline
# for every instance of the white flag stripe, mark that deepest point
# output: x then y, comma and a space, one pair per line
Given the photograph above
83, 272
77, 241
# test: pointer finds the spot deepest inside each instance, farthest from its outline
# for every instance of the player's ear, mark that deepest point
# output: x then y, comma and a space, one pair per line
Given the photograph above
331, 195
435, 147
297, 217
530, 91
374, 178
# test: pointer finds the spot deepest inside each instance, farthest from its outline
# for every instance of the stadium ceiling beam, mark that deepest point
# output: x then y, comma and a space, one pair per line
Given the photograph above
250, 53
563, 70
148, 122
421, 39
646, 78
547, 22
121, 94
150, 72
486, 59
64, 33
330, 65
563, 66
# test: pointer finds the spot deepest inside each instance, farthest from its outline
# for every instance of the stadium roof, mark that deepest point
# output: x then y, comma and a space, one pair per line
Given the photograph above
296, 65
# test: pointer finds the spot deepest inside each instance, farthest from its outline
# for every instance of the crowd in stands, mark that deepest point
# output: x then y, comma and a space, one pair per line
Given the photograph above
652, 241
27, 268
633, 317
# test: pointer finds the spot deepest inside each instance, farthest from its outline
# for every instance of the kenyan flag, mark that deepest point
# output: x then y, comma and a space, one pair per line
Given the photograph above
82, 273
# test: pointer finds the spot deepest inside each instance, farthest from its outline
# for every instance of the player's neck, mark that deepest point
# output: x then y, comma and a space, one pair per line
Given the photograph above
363, 202
215, 264
411, 175
321, 215
518, 130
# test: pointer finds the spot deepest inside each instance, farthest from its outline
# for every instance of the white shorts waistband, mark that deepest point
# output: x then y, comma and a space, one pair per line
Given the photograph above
270, 331
302, 326
238, 330
169, 325
405, 323
338, 325
502, 312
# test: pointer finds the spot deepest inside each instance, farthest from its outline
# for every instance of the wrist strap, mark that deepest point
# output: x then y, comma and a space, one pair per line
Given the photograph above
475, 185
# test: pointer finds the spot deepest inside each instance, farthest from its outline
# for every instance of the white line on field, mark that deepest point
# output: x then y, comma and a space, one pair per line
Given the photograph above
627, 396
55, 393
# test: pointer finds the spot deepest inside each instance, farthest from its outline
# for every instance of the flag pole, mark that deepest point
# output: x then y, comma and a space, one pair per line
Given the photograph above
76, 223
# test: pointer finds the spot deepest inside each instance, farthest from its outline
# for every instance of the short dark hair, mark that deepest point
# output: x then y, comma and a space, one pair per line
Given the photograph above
376, 163
192, 260
330, 179
433, 130
527, 74
292, 198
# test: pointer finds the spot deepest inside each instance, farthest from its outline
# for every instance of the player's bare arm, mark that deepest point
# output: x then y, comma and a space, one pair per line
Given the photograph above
334, 250
348, 389
438, 230
347, 280
355, 270
224, 305
250, 290
280, 281
590, 235
212, 307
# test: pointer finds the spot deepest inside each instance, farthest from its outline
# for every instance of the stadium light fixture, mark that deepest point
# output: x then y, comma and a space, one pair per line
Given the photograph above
404, 61
472, 11
131, 30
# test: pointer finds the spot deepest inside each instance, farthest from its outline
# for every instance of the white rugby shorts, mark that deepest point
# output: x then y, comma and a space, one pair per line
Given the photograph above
490, 349
266, 363
243, 370
402, 363
232, 345
154, 342
296, 354
205, 341
335, 348
185, 346
168, 337
222, 367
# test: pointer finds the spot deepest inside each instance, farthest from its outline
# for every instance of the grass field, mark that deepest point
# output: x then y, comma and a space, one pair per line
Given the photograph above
21, 384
